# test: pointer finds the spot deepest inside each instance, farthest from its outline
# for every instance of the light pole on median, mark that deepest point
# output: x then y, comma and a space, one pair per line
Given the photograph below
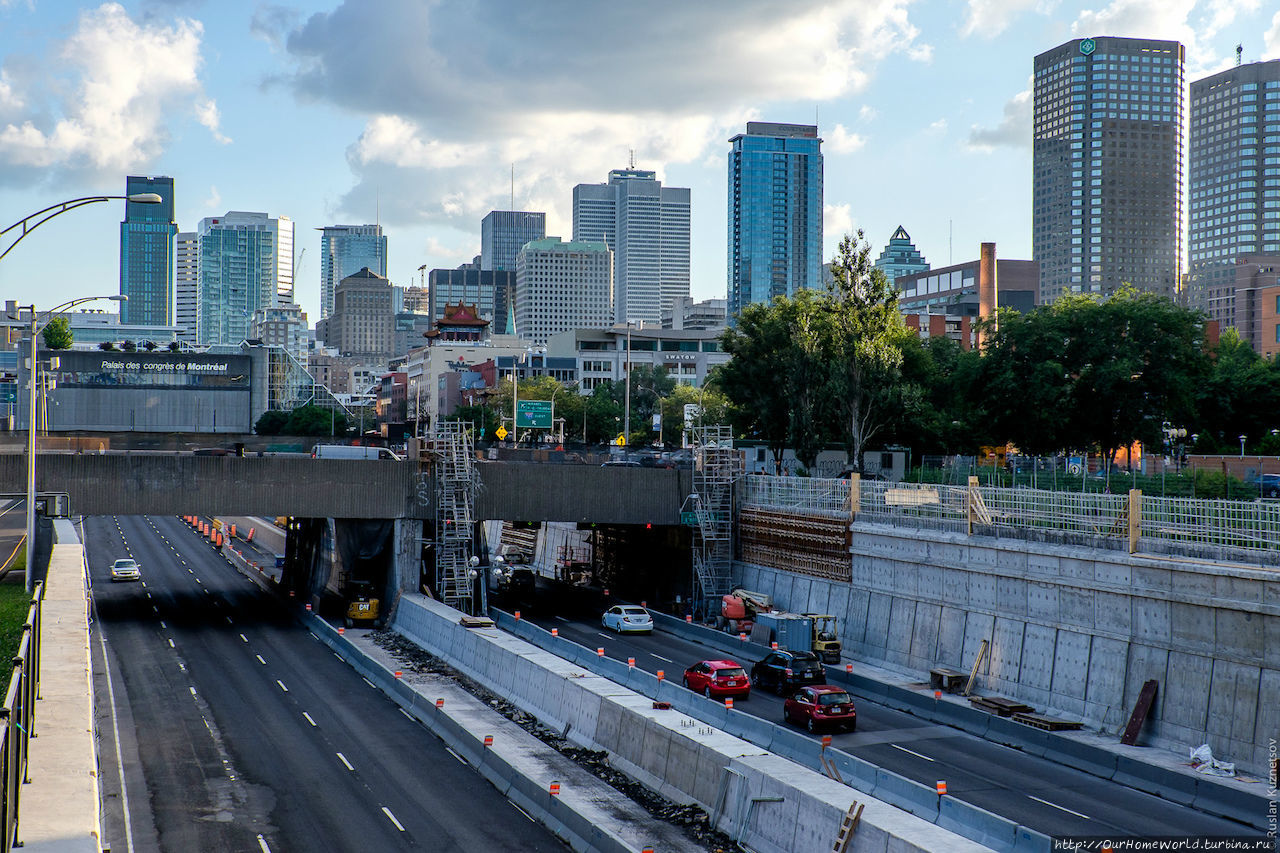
15, 233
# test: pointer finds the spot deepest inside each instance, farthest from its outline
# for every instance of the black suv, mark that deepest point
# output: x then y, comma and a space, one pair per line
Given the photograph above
784, 670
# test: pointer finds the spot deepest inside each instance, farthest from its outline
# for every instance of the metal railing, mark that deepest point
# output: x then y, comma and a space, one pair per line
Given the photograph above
17, 720
1236, 530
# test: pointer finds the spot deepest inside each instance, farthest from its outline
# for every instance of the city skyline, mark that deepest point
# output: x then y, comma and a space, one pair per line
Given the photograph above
924, 109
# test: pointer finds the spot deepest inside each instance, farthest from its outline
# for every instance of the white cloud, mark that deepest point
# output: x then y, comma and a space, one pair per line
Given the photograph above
988, 18
214, 201
939, 126
1272, 39
125, 78
1221, 14
1152, 19
1013, 131
455, 92
842, 141
207, 114
867, 113
837, 221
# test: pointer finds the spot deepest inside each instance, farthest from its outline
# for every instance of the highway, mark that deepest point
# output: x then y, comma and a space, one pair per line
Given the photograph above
1037, 793
233, 729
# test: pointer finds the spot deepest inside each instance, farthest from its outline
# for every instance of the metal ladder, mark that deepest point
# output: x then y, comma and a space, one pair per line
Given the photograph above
455, 494
717, 468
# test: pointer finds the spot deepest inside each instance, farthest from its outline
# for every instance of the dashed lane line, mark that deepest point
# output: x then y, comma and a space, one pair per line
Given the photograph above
386, 811
1061, 808
309, 720
282, 687
910, 752
260, 660
344, 761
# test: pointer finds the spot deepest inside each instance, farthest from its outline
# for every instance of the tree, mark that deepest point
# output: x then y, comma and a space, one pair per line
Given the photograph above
174, 346
271, 423
316, 420
107, 346
129, 346
754, 380
1240, 396
57, 334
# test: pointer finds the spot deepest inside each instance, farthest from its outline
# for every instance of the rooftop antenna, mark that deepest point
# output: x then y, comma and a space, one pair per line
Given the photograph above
513, 185
1239, 51
633, 159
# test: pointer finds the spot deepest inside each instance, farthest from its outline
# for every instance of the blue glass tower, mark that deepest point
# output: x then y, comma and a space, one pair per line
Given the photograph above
900, 256
146, 254
775, 212
344, 251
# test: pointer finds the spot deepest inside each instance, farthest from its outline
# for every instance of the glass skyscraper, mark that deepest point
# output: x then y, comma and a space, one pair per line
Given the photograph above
504, 232
245, 265
647, 227
1107, 162
146, 254
1234, 162
775, 212
344, 251
900, 256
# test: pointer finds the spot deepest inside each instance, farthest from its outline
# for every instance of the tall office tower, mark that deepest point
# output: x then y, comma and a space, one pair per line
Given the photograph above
1107, 159
363, 321
187, 280
775, 212
562, 286
504, 232
1234, 160
246, 264
469, 286
146, 254
647, 227
344, 251
901, 257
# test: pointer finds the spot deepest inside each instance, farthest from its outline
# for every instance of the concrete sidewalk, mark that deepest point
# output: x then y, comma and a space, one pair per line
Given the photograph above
58, 809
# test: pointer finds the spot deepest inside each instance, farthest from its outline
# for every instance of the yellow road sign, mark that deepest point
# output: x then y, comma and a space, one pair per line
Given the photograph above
621, 440
501, 433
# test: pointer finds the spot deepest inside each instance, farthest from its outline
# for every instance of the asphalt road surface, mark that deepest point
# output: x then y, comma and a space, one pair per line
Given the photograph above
1037, 793
233, 729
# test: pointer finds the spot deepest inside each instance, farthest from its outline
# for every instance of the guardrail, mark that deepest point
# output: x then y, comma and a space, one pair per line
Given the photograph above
1248, 530
17, 720
923, 801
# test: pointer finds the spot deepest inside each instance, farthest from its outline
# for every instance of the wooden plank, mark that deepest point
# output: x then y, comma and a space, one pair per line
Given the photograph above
1140, 711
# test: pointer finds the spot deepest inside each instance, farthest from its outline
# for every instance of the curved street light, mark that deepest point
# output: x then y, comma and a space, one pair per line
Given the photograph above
40, 217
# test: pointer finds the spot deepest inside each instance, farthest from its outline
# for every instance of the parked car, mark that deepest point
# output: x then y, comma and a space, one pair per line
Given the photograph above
784, 670
1269, 485
717, 679
627, 619
125, 570
821, 706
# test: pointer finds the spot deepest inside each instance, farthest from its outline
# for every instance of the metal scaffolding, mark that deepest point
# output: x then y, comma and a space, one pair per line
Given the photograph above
455, 495
717, 467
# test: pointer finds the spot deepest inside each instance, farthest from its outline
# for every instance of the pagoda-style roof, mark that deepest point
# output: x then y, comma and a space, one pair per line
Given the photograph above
459, 319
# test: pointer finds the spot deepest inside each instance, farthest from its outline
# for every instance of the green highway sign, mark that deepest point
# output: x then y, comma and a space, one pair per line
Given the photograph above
535, 414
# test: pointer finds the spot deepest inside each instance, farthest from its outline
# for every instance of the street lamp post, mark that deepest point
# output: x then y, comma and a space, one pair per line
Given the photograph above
557, 390
626, 424
40, 217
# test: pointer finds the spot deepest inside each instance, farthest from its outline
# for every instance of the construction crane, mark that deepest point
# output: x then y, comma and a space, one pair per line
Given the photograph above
297, 263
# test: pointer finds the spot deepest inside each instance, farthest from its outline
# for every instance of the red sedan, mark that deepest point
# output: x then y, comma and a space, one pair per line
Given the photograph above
819, 706
716, 679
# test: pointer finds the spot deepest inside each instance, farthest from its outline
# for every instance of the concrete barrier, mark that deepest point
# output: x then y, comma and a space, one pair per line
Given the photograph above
906, 794
1175, 787
1251, 809
1081, 756
992, 830
1029, 841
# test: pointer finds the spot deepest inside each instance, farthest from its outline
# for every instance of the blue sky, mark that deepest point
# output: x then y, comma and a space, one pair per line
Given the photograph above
413, 113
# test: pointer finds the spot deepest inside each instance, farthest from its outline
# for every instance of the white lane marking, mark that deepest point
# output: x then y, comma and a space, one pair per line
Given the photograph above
562, 619
386, 811
461, 760
309, 720
282, 687
313, 635
198, 580
339, 657
115, 725
910, 752
406, 713
182, 666
260, 660
148, 595
171, 645
164, 626
523, 812
606, 636
193, 692
156, 609
370, 683
660, 657
144, 584
1061, 808
229, 622
346, 763
243, 637
262, 842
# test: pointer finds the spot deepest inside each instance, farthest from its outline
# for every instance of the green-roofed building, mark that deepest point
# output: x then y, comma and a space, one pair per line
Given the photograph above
561, 286
900, 256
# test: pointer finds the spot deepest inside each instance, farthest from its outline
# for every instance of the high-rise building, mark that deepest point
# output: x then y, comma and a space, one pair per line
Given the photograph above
775, 212
1234, 161
146, 254
562, 286
283, 326
363, 320
647, 227
245, 265
344, 251
1108, 166
468, 285
901, 257
187, 284
504, 232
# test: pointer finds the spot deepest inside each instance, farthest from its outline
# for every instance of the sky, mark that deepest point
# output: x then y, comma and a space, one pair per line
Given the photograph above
424, 115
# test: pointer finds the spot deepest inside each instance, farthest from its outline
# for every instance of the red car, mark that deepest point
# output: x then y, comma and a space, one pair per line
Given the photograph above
819, 706
716, 679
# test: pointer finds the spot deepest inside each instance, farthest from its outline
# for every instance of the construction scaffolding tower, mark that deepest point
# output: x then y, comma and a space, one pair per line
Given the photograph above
717, 467
451, 452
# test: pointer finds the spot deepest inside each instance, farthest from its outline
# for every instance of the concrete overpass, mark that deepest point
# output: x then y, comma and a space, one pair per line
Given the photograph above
182, 484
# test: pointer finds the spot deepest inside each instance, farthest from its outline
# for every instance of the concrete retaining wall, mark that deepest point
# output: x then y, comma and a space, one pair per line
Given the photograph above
1071, 630
668, 751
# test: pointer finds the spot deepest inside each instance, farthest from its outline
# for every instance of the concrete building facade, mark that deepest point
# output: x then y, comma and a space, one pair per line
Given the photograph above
481, 288
774, 212
647, 227
684, 313
1234, 164
602, 355
147, 253
1107, 163
562, 286
363, 321
1256, 303
186, 279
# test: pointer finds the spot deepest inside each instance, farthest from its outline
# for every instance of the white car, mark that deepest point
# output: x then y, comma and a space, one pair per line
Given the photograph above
627, 618
125, 570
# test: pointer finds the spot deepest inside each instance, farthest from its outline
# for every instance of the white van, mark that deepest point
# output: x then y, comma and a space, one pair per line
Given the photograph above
348, 451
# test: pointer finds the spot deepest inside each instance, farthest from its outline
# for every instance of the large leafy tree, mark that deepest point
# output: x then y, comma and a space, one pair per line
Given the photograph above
316, 420
57, 334
1240, 396
756, 379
